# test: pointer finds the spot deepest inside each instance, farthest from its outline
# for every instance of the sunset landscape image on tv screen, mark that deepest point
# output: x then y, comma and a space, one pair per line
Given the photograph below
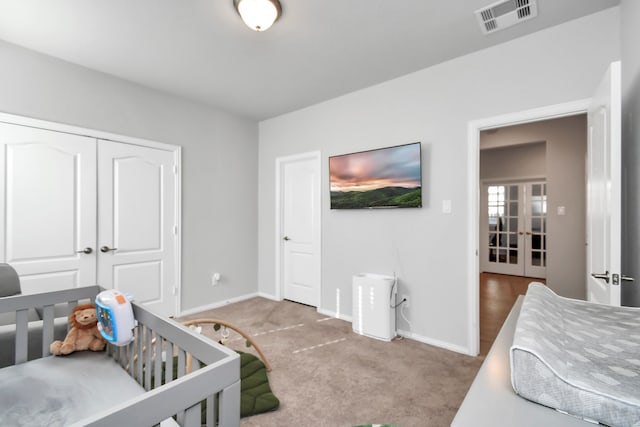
383, 178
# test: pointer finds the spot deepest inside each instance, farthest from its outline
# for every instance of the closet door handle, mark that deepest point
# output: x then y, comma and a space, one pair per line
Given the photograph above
106, 249
85, 251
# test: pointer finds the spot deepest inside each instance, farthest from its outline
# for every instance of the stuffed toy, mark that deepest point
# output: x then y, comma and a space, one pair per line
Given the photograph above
83, 335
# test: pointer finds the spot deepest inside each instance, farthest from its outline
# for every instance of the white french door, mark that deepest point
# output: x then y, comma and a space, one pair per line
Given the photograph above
136, 233
299, 242
515, 229
47, 186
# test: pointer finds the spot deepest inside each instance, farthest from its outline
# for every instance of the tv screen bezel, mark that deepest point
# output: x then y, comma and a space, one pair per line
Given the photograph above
331, 202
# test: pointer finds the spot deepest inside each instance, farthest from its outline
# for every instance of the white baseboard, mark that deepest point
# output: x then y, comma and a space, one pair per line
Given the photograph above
434, 342
268, 296
218, 304
334, 314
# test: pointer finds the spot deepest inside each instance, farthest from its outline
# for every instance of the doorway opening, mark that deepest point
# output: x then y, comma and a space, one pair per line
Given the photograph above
566, 206
526, 169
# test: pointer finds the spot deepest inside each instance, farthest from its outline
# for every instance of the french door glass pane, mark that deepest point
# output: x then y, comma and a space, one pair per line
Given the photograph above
538, 215
503, 223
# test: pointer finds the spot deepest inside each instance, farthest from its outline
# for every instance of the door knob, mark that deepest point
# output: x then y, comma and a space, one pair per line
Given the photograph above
85, 251
106, 249
604, 276
286, 238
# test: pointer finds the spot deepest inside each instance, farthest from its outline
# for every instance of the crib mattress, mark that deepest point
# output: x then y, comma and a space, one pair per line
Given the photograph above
578, 357
58, 391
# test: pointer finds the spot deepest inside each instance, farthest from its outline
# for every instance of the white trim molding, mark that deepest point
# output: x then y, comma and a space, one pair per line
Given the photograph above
335, 315
474, 128
433, 342
218, 304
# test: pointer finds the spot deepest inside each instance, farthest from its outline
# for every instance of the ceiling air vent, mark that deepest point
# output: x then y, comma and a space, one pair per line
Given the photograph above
504, 14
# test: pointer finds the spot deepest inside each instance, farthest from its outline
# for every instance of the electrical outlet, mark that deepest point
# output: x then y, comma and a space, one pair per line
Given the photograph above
215, 279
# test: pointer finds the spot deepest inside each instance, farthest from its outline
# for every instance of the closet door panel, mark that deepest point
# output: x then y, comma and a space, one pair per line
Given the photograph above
137, 216
49, 207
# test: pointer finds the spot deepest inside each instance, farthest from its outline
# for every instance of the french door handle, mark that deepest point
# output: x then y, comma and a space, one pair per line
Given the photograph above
528, 233
286, 238
604, 276
627, 278
520, 233
85, 251
106, 249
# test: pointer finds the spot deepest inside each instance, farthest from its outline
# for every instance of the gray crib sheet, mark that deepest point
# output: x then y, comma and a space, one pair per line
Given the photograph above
57, 391
579, 357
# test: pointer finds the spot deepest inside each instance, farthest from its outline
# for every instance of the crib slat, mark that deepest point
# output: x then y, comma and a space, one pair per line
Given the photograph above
131, 363
22, 335
157, 366
192, 417
148, 367
140, 332
211, 410
47, 329
229, 404
182, 361
181, 370
168, 371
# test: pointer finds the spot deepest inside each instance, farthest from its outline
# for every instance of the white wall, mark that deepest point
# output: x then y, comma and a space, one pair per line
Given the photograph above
630, 13
426, 248
219, 169
564, 167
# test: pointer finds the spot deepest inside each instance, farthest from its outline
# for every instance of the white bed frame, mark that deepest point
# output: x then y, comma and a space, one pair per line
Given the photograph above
217, 382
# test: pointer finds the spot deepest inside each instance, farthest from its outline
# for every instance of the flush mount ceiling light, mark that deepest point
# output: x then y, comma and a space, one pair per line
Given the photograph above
259, 15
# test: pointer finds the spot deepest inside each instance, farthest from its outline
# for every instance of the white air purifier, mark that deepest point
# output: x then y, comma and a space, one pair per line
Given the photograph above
373, 315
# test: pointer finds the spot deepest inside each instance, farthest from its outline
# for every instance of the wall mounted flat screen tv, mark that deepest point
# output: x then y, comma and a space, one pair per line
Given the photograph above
384, 178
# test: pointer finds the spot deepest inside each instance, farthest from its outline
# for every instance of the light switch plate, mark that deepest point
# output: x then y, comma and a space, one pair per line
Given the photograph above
446, 206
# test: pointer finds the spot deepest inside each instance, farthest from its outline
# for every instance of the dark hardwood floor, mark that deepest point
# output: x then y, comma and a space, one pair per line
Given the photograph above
498, 293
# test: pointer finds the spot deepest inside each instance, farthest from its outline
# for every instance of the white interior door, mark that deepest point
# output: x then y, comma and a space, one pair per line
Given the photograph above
300, 244
137, 223
603, 191
48, 184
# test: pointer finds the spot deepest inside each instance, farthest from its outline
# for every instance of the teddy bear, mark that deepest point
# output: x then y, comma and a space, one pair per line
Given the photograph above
83, 335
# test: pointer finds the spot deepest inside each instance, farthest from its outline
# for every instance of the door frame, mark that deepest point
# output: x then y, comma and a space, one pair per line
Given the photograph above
279, 247
474, 127
97, 134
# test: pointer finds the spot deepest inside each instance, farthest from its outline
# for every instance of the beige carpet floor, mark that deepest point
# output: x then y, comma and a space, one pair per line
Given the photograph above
326, 375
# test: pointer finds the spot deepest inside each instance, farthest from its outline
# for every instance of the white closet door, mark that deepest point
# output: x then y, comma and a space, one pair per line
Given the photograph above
137, 216
48, 184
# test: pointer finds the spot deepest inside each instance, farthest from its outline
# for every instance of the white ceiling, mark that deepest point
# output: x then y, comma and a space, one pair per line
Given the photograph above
319, 49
